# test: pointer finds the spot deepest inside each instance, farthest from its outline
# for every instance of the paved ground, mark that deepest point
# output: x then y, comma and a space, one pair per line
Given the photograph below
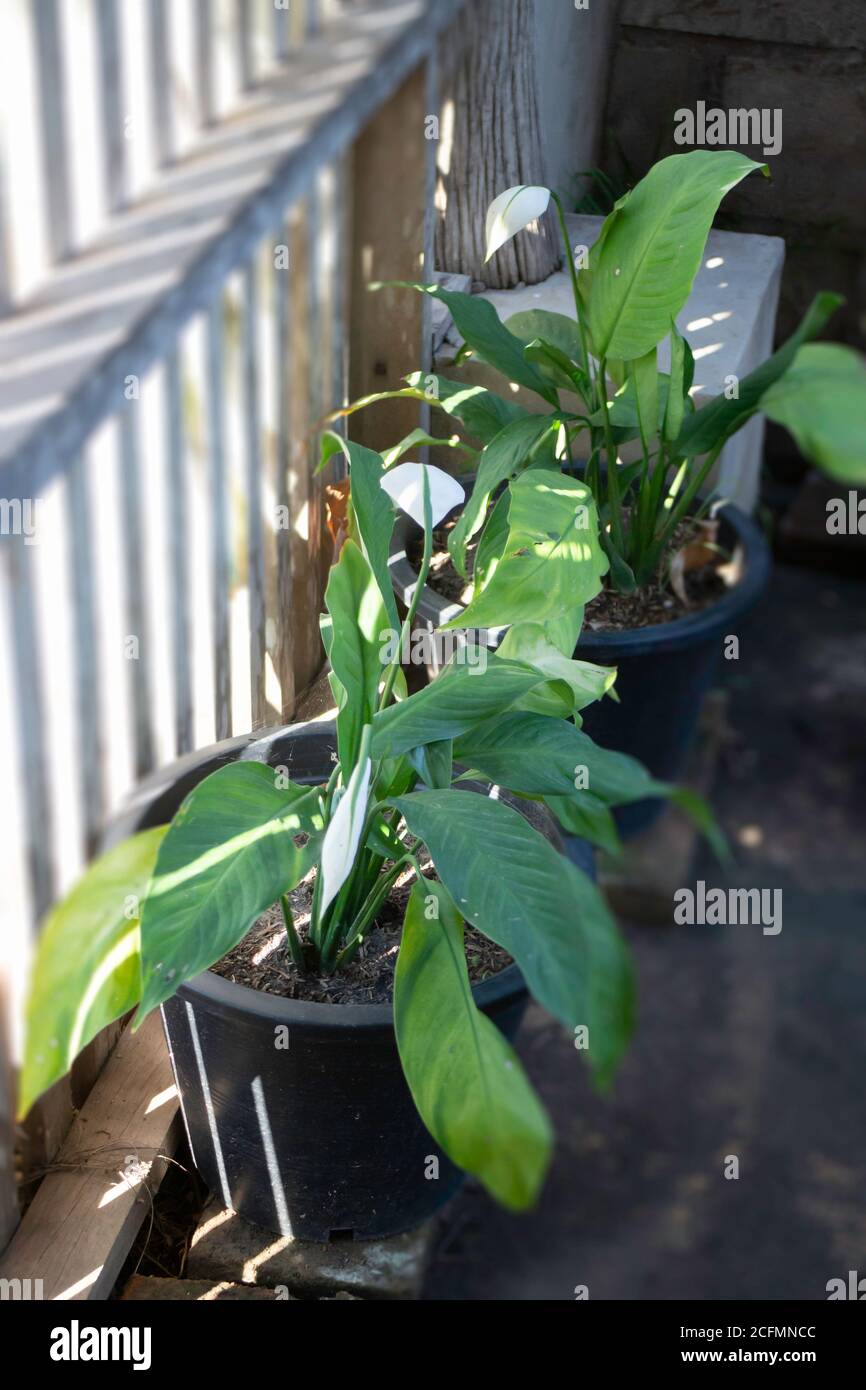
747, 1044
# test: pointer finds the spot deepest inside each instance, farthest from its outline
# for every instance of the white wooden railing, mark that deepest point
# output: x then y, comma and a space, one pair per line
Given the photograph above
180, 213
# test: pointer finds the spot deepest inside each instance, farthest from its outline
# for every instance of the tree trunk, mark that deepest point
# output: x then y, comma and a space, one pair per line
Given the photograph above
490, 141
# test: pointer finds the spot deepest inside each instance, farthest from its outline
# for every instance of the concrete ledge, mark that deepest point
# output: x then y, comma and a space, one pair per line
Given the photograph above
225, 1248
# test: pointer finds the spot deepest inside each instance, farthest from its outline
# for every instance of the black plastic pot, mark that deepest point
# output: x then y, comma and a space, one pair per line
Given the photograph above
664, 671
298, 1114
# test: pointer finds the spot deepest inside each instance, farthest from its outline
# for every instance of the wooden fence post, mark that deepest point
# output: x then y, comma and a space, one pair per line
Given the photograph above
390, 241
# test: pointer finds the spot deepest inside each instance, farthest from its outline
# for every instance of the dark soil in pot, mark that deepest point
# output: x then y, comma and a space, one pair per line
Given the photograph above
664, 668
297, 1111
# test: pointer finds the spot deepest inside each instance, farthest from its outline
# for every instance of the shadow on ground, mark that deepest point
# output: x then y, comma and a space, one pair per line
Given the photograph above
747, 1045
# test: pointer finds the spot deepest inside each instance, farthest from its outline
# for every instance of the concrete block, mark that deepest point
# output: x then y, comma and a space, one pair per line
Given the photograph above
227, 1248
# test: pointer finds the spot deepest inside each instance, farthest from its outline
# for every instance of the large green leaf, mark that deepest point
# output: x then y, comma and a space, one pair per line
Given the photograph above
510, 883
491, 543
502, 458
553, 561
354, 638
721, 418
228, 855
557, 329
421, 439
643, 266
479, 324
459, 698
538, 756
482, 412
87, 970
821, 399
581, 683
467, 1082
586, 815
372, 514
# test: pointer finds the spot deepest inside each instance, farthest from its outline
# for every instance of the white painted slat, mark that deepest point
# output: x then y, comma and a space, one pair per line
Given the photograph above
204, 60
88, 711
244, 39
17, 564
160, 61
281, 34
255, 533
177, 522
137, 618
112, 108
52, 102
219, 521
281, 367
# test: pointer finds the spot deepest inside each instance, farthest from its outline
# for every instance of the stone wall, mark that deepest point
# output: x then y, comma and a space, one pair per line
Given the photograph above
805, 57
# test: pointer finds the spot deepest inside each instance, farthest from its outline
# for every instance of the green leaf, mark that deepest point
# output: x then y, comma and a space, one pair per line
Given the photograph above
461, 696
479, 324
511, 884
537, 756
434, 763
559, 369
821, 399
353, 641
621, 572
420, 439
482, 412
645, 261
372, 516
558, 330
677, 389
721, 418
502, 458
583, 682
87, 970
643, 372
492, 543
467, 1082
553, 561
228, 855
586, 815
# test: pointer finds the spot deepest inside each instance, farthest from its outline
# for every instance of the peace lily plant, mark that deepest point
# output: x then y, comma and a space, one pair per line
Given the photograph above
166, 904
598, 386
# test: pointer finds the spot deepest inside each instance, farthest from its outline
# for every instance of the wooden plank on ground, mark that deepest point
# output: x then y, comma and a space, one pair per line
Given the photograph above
82, 1221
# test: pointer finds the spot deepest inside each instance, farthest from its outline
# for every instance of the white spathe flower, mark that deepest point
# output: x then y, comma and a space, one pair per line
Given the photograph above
511, 212
343, 835
405, 486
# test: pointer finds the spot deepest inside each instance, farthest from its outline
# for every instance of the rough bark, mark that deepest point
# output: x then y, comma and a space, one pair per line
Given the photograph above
490, 141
